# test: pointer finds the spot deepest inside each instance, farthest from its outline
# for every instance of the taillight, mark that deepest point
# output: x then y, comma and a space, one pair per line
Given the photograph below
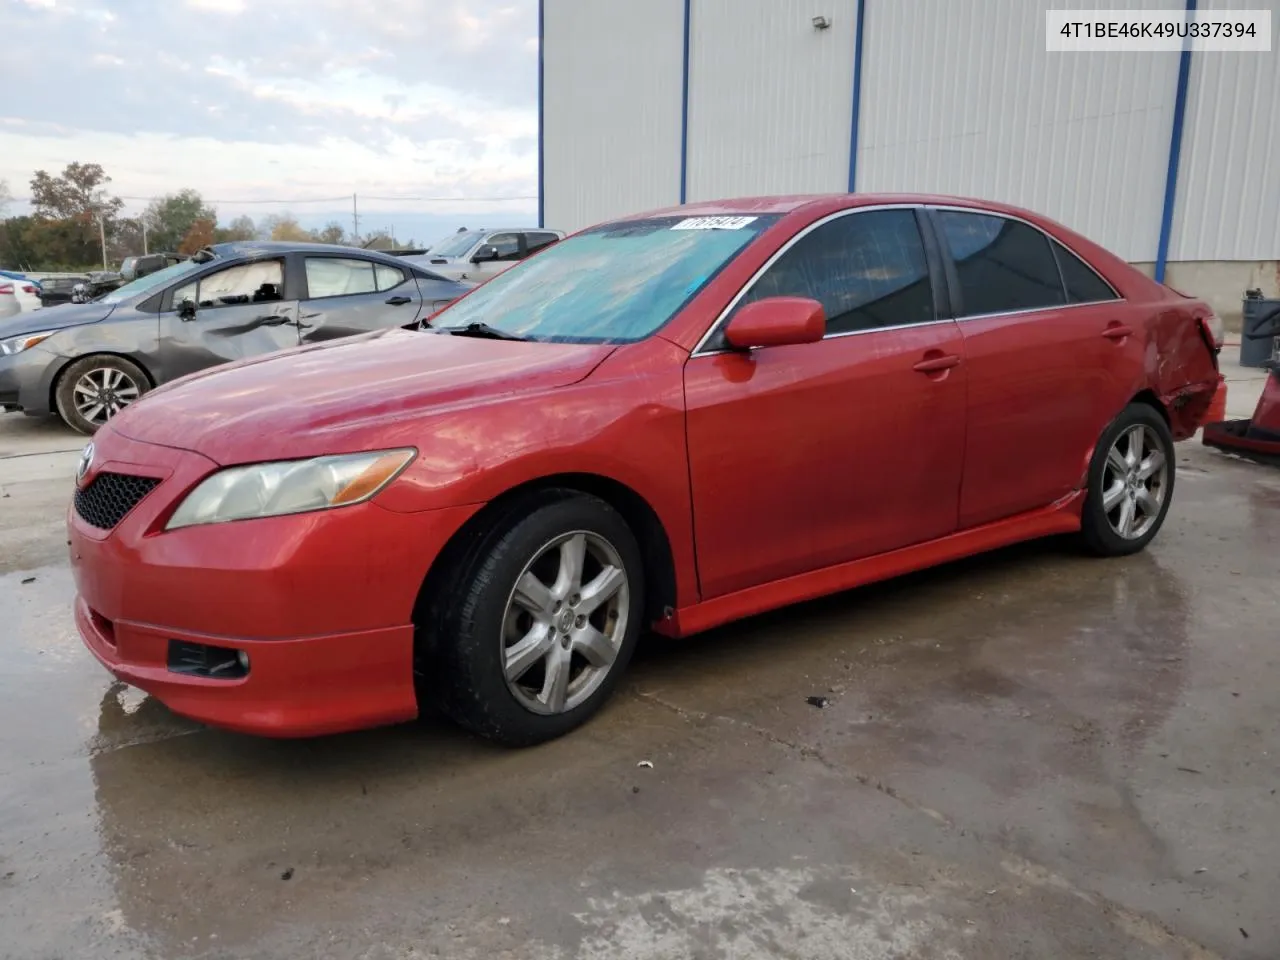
28, 288
6, 288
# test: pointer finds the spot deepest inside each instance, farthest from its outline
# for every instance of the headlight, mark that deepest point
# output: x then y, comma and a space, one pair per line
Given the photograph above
17, 344
289, 486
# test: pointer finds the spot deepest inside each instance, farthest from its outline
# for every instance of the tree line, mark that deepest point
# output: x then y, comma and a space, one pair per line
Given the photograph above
73, 212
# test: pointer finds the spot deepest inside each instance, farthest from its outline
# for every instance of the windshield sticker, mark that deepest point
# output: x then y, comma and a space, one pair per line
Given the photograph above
713, 223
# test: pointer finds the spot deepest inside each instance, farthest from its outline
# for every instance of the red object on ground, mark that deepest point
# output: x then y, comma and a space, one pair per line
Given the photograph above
795, 469
1257, 438
1217, 411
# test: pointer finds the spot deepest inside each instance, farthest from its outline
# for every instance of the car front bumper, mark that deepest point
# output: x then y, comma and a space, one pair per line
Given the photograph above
26, 380
321, 603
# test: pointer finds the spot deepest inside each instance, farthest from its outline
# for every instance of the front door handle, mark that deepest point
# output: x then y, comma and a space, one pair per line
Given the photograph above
272, 320
937, 364
397, 301
1117, 331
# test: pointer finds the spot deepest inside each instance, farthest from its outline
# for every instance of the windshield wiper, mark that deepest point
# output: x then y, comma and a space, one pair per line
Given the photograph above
479, 329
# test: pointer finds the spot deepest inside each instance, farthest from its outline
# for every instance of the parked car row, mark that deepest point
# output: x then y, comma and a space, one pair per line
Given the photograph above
88, 361
18, 293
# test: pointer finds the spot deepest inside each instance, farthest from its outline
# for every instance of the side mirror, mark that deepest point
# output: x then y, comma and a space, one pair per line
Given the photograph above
486, 252
187, 309
776, 322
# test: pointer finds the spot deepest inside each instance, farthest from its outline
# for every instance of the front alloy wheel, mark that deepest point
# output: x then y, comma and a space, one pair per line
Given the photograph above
565, 622
530, 635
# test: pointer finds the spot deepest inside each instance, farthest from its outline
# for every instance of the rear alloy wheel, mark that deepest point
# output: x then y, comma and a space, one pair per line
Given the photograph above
533, 638
93, 390
1130, 483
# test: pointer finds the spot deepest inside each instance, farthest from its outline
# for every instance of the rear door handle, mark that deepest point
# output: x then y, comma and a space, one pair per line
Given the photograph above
936, 364
1117, 332
397, 301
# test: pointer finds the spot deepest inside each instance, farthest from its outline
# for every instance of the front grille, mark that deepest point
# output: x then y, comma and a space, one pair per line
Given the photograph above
106, 500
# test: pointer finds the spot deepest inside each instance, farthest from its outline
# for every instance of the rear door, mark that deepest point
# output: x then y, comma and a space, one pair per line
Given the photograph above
346, 295
232, 313
1049, 367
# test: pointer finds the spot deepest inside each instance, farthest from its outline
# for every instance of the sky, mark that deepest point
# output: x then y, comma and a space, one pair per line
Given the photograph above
303, 101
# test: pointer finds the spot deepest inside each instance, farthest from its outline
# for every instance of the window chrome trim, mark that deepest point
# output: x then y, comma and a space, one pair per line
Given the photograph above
719, 321
1048, 236
699, 351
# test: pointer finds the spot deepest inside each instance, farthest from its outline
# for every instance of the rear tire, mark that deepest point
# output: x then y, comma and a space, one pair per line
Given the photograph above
1131, 481
93, 389
523, 650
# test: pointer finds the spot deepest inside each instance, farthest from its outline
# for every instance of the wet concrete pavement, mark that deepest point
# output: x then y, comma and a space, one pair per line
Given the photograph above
1030, 754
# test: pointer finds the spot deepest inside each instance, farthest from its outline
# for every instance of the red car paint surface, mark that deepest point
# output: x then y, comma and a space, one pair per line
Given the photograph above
758, 478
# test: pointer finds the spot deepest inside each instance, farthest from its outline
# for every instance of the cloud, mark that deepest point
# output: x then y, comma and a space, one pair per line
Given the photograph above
232, 98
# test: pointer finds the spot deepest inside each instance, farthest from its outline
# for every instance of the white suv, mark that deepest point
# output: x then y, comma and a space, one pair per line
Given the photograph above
477, 255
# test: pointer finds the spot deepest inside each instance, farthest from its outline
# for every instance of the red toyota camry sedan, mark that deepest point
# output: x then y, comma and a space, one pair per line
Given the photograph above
668, 421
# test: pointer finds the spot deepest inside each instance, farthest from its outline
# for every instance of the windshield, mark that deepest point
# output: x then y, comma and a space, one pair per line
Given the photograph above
457, 245
152, 281
616, 283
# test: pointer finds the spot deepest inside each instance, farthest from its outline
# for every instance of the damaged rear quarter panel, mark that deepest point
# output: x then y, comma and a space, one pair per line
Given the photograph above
1180, 368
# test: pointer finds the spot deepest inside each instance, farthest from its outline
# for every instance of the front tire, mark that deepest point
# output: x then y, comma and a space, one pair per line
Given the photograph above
92, 390
535, 634
1131, 481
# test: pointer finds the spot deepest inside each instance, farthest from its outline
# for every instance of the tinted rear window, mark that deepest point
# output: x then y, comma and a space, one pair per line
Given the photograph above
1083, 285
1003, 265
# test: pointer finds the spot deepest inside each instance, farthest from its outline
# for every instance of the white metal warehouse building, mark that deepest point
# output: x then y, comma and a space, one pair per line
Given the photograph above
1158, 156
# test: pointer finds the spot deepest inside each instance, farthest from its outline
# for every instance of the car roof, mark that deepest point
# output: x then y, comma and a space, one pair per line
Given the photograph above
258, 248
790, 203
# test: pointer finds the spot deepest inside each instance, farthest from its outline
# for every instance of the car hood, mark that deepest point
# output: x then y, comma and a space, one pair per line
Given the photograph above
344, 394
55, 318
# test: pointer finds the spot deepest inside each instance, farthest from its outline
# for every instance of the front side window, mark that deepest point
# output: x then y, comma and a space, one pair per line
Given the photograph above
259, 282
867, 269
615, 283
506, 245
336, 277
1083, 284
1003, 265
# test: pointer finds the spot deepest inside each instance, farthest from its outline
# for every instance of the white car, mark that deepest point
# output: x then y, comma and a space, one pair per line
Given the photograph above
9, 306
477, 255
25, 291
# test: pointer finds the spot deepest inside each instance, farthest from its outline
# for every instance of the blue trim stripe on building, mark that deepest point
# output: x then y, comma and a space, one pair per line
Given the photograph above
684, 108
857, 95
542, 193
1175, 153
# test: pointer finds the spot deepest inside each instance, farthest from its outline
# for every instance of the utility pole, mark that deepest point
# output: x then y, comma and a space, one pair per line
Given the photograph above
143, 221
102, 235
355, 220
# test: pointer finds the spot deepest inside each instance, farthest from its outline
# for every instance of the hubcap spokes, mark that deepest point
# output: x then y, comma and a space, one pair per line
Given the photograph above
565, 622
101, 394
1134, 482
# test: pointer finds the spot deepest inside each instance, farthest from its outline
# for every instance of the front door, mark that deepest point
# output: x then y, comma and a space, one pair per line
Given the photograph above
345, 296
809, 455
226, 314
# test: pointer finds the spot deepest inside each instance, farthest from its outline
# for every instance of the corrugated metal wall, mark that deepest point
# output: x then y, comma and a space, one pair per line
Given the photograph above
612, 93
1228, 200
960, 97
770, 97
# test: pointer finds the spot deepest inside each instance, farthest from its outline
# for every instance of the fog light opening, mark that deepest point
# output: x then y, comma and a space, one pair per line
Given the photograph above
205, 660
